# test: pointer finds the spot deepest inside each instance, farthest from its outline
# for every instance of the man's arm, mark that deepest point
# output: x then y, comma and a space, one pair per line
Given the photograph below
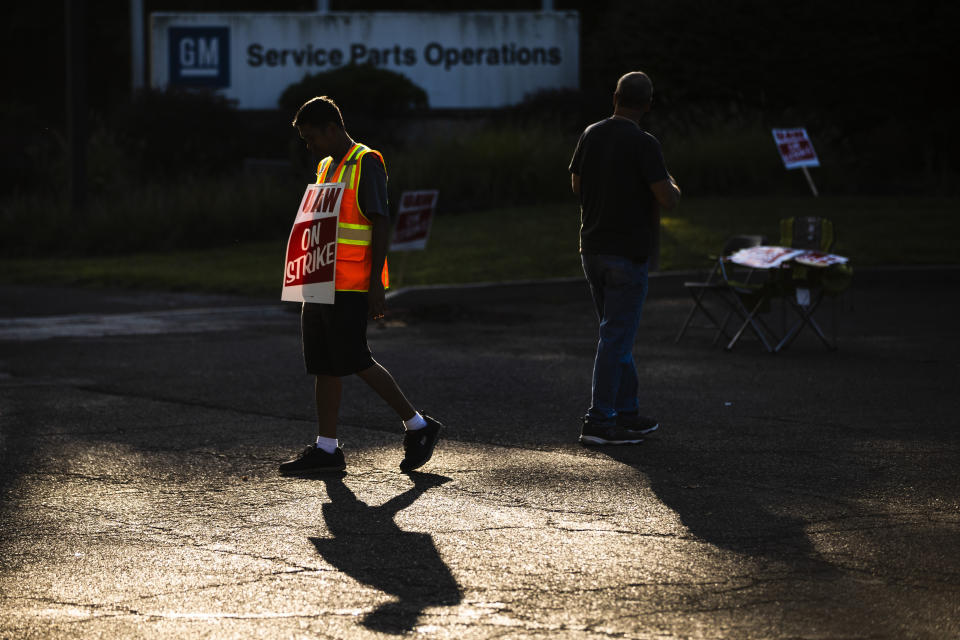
576, 165
667, 192
379, 244
373, 202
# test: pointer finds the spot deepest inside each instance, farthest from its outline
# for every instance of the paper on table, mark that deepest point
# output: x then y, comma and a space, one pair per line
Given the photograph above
764, 257
819, 259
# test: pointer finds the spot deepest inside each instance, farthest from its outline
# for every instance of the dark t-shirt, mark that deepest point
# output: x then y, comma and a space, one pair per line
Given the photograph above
372, 190
617, 161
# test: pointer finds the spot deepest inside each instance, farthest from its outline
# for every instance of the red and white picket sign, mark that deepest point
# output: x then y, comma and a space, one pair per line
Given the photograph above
414, 218
770, 257
796, 149
764, 257
310, 267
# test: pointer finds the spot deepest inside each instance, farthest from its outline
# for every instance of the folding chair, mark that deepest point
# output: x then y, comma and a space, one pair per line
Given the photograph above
748, 299
807, 232
714, 284
808, 285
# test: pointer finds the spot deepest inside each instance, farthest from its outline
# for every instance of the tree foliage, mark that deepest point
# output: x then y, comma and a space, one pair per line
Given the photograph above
172, 132
358, 89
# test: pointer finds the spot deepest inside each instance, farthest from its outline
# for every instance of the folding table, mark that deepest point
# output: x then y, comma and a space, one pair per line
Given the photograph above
806, 300
749, 298
778, 261
713, 286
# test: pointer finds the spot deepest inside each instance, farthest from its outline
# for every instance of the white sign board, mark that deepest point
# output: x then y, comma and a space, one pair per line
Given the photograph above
309, 270
414, 219
764, 257
462, 60
820, 259
796, 149
771, 257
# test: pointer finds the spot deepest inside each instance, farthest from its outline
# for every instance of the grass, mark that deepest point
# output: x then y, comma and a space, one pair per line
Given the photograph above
535, 242
250, 268
870, 231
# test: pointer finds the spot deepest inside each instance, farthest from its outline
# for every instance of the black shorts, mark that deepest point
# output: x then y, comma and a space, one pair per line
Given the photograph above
334, 336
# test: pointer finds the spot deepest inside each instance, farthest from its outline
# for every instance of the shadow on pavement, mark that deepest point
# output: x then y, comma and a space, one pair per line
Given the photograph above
368, 546
722, 501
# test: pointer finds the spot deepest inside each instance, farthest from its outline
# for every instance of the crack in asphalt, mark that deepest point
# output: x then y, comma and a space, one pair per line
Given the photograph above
180, 538
98, 611
235, 583
85, 386
875, 574
187, 403
77, 476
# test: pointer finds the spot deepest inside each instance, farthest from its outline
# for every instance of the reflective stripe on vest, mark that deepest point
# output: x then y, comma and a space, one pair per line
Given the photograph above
358, 234
355, 231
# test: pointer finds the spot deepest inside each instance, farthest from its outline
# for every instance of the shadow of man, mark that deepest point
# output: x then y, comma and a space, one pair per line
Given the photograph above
730, 502
368, 546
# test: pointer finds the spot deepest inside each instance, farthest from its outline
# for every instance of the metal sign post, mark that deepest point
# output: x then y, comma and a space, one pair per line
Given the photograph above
813, 187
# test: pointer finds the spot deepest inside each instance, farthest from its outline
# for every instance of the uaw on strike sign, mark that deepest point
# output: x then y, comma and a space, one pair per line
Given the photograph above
414, 217
795, 147
308, 274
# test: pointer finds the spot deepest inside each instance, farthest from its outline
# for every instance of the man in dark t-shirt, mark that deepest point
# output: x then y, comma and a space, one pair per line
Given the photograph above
620, 176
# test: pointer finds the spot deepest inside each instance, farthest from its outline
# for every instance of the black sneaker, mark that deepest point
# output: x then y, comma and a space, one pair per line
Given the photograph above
598, 434
418, 445
638, 423
314, 460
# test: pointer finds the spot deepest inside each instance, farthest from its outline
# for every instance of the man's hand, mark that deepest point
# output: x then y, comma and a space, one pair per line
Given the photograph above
376, 300
666, 192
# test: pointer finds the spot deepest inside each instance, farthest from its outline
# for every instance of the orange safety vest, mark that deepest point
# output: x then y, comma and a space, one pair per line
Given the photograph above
355, 231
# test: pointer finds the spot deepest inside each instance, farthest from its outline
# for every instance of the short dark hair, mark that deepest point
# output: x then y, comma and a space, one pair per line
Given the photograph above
317, 112
634, 90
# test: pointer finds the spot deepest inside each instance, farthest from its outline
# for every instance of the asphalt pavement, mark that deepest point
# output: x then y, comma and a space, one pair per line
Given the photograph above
807, 494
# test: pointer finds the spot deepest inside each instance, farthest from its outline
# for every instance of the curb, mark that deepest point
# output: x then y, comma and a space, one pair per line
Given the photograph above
671, 282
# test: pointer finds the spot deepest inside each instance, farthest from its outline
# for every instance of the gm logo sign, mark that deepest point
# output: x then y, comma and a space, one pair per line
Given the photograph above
200, 56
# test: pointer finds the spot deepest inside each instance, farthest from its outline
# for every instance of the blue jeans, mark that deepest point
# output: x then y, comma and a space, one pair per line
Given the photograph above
619, 288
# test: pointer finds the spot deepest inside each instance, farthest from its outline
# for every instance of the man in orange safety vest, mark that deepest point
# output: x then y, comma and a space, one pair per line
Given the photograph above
334, 335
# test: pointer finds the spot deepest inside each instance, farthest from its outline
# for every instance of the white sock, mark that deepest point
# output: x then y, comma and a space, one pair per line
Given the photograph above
414, 423
327, 444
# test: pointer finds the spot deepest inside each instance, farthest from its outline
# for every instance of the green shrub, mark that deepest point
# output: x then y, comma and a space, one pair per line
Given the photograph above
31, 153
179, 132
200, 212
374, 101
488, 168
728, 161
569, 110
358, 89
475, 166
